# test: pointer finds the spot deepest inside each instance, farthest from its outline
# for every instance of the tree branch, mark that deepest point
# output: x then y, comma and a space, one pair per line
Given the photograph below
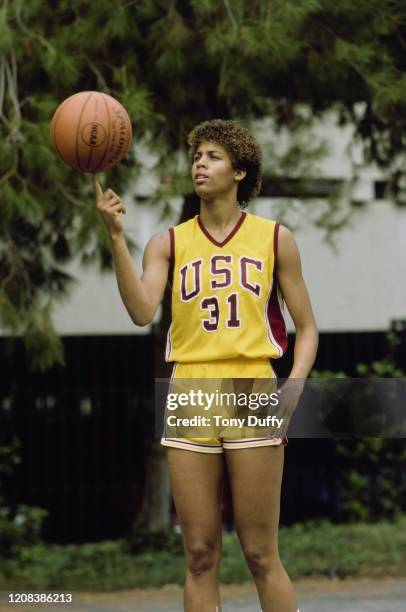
100, 79
30, 33
231, 15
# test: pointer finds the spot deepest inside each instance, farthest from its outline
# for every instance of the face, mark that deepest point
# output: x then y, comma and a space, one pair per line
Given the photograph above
212, 170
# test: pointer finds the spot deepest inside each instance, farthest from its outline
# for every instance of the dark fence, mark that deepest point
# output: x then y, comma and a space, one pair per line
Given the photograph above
85, 431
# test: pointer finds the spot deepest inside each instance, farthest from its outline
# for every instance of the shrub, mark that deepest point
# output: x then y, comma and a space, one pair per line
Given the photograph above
372, 485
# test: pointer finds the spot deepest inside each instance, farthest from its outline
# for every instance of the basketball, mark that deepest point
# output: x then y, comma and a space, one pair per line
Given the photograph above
91, 131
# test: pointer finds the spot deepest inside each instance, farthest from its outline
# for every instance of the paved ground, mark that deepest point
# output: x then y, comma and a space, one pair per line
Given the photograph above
362, 595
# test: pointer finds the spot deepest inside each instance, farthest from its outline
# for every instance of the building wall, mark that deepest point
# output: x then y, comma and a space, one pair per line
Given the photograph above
359, 283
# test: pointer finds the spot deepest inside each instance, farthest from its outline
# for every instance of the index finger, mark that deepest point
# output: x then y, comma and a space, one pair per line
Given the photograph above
97, 187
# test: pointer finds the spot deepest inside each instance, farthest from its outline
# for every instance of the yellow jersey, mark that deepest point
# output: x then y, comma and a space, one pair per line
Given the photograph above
226, 302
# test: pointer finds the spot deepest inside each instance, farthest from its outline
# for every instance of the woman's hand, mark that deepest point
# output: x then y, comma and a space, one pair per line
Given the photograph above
289, 396
110, 208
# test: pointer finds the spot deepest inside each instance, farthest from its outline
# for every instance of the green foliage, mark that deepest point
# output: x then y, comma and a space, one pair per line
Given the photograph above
308, 549
385, 367
9, 458
103, 566
22, 527
20, 530
338, 551
41, 340
142, 540
371, 488
6, 34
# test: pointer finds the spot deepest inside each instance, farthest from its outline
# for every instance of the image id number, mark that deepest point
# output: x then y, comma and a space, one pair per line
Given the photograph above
21, 598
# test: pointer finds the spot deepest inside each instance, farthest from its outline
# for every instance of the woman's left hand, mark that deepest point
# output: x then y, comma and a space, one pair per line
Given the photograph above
289, 395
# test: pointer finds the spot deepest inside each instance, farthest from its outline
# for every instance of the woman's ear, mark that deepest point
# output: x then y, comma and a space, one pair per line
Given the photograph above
239, 174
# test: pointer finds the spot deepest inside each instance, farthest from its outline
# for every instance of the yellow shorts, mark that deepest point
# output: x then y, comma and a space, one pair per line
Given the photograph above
221, 377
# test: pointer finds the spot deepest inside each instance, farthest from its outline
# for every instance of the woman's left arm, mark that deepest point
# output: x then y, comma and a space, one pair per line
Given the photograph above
296, 296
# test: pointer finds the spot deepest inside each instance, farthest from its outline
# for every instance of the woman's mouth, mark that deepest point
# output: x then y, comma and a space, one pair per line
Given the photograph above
200, 178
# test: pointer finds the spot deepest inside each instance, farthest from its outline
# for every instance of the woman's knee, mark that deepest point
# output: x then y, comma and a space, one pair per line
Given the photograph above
262, 560
202, 556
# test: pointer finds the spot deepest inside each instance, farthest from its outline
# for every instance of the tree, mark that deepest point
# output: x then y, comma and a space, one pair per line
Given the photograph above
172, 64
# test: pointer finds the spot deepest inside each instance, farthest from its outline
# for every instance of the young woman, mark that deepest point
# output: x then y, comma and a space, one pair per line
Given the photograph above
231, 273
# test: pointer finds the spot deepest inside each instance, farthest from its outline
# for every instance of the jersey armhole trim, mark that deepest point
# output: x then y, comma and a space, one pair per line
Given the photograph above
172, 246
171, 255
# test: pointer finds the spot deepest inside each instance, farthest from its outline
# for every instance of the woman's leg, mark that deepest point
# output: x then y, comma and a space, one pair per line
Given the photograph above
255, 478
197, 483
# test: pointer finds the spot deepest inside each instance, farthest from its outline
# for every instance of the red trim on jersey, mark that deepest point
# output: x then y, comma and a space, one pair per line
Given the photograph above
172, 243
230, 235
172, 255
274, 312
275, 318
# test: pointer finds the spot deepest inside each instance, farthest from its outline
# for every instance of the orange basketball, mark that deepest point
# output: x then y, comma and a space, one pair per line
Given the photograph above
91, 131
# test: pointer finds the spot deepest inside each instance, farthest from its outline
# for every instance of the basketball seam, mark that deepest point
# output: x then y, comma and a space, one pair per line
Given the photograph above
108, 135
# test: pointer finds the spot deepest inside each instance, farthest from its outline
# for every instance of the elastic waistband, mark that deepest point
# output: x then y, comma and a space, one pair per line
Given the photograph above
226, 362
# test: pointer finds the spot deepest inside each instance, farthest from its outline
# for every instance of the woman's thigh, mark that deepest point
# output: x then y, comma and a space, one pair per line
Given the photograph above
255, 478
197, 483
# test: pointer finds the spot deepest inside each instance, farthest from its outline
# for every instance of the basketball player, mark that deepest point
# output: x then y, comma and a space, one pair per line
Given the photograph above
231, 273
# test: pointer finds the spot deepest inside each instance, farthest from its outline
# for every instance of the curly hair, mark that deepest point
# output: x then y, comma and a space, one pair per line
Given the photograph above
242, 148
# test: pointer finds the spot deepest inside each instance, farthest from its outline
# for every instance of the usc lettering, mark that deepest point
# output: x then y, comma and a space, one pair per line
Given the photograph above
221, 275
186, 296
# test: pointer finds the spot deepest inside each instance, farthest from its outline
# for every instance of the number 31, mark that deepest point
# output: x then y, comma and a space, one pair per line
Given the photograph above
212, 305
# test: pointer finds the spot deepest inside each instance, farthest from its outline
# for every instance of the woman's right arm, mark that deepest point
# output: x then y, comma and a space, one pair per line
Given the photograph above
141, 295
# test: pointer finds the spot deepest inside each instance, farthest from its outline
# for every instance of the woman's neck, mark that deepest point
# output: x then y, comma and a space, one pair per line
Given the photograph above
219, 214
